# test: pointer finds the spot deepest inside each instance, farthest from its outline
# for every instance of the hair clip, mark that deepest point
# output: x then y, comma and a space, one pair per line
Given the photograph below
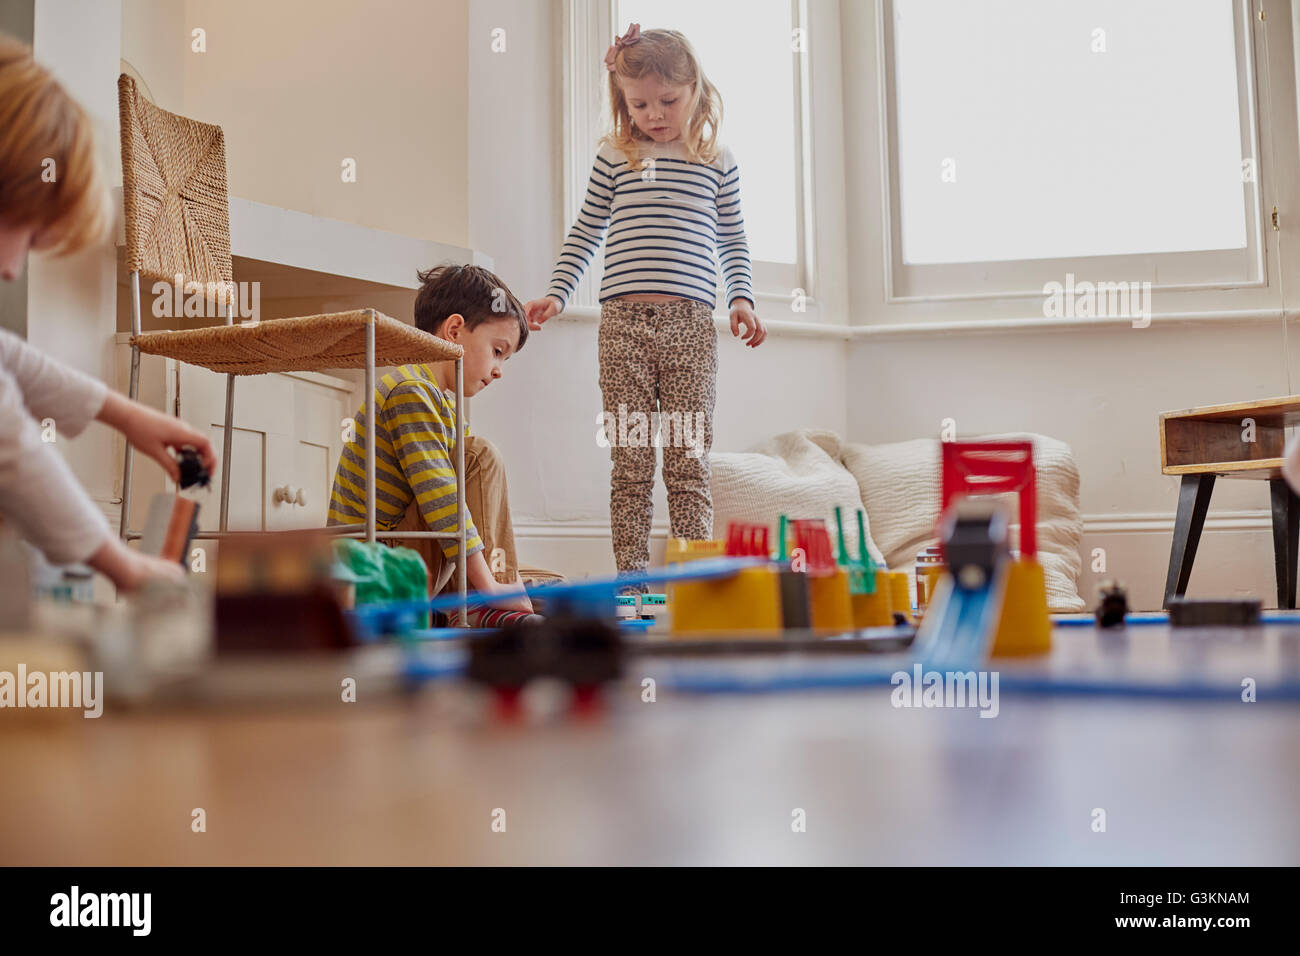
633, 34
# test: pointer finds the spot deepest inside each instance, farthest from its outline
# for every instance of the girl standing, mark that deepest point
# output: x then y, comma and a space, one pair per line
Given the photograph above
669, 196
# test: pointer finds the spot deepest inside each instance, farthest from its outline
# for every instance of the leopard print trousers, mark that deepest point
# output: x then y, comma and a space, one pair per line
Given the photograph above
658, 380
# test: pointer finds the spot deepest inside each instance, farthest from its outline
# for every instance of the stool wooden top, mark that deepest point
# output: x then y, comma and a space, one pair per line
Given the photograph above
1215, 439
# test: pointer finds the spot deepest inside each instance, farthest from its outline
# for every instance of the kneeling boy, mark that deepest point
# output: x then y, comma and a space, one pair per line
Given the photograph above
415, 409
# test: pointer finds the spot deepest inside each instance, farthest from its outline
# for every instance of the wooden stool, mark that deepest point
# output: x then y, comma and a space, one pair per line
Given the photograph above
1202, 444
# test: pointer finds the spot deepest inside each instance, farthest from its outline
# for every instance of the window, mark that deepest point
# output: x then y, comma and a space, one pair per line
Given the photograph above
1109, 139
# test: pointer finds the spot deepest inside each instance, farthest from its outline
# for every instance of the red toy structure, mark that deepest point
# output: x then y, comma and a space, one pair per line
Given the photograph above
999, 467
992, 468
747, 540
813, 537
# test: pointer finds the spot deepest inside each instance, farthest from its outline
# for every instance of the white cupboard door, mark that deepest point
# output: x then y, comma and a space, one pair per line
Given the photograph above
286, 441
260, 445
314, 446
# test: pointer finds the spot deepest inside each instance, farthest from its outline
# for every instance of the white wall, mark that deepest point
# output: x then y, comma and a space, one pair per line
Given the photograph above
542, 414
155, 42
71, 300
300, 85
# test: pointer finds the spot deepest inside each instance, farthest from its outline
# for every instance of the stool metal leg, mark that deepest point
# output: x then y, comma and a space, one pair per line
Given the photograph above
1286, 523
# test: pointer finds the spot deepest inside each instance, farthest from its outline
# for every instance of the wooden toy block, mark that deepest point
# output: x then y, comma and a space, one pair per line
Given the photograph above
1185, 612
796, 612
747, 604
682, 549
828, 583
1024, 625
872, 608
828, 600
900, 594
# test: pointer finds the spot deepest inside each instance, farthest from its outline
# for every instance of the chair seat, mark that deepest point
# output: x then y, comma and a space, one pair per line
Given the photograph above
306, 344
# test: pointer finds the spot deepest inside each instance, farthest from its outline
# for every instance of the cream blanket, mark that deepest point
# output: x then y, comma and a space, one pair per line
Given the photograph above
797, 474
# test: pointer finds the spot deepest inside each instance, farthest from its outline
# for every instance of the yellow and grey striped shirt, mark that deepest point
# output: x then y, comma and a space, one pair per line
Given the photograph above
415, 439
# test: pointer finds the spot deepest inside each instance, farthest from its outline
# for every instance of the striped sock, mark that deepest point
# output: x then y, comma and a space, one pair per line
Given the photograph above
496, 617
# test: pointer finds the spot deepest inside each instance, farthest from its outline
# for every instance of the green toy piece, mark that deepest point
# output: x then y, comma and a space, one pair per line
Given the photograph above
862, 572
381, 573
864, 552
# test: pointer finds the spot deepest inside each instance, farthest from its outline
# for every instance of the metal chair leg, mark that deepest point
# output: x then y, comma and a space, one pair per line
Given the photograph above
462, 560
133, 389
225, 453
227, 435
371, 430
128, 458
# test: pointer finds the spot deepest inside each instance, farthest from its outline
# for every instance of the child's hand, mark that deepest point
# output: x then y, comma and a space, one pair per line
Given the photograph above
511, 598
742, 313
129, 569
539, 310
153, 433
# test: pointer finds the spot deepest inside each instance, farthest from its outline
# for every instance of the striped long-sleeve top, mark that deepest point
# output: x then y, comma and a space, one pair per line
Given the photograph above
666, 223
415, 439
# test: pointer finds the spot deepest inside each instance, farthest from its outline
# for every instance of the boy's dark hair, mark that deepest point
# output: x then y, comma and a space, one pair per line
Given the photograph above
473, 292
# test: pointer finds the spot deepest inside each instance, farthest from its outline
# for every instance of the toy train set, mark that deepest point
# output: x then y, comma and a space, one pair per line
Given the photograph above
753, 611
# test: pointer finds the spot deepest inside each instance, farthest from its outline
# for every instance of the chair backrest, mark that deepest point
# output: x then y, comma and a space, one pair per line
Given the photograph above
174, 193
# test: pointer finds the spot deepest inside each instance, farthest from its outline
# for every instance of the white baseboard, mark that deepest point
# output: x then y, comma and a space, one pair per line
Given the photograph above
1158, 521
576, 529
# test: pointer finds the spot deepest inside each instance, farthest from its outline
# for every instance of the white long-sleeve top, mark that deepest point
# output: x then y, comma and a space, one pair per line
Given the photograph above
38, 492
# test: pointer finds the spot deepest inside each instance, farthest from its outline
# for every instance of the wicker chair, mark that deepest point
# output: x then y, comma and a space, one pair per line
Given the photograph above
178, 224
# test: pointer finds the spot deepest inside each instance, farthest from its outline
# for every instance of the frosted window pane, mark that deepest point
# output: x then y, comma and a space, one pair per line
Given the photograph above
1058, 150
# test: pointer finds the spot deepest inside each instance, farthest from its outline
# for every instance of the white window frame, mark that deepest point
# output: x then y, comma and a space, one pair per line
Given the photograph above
1268, 128
588, 28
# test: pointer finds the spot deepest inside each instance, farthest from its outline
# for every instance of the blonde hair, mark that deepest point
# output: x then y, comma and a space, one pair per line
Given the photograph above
40, 122
668, 55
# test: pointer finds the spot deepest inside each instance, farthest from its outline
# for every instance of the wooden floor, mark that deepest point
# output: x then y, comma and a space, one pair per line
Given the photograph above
687, 779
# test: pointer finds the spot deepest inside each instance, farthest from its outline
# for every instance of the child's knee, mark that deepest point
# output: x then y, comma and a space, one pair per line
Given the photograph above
483, 456
686, 472
632, 465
